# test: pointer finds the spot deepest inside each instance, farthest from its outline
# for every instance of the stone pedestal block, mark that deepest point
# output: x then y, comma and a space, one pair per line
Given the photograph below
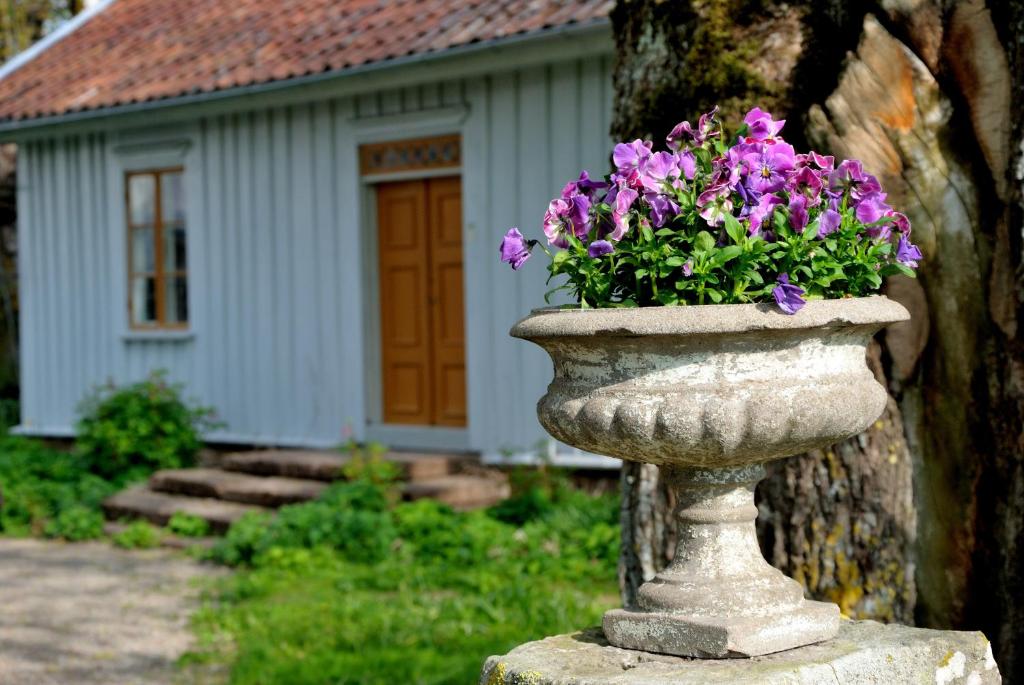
864, 652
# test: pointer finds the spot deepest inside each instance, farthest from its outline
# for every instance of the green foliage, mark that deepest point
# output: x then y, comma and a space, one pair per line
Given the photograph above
76, 523
187, 525
366, 463
41, 485
424, 596
138, 535
125, 433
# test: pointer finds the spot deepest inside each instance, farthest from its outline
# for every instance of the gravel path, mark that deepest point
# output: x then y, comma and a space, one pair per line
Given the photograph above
92, 614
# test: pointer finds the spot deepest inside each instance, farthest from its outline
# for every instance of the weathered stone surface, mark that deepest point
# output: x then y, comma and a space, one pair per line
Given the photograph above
327, 466
864, 653
460, 491
709, 393
159, 507
271, 491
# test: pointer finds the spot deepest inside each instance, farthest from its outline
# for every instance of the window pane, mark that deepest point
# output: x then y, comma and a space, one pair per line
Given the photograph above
143, 300
174, 248
172, 197
176, 299
141, 198
143, 249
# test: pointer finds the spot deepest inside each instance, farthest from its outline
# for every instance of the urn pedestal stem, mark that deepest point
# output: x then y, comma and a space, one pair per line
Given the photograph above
719, 597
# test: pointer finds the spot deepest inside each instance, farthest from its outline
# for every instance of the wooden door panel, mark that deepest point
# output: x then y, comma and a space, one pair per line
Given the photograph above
444, 196
404, 317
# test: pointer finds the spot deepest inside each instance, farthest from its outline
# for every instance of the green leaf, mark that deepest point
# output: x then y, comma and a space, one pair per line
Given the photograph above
810, 230
735, 229
705, 242
715, 295
726, 254
647, 233
675, 261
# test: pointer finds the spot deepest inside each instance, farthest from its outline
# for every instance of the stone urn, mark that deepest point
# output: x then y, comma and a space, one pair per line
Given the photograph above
709, 394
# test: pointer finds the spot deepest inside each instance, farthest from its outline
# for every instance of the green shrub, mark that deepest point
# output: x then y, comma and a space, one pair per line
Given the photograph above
187, 525
125, 433
76, 523
40, 483
138, 535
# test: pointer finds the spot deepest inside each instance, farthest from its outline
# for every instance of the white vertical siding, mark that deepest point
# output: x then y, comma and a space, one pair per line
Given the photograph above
276, 284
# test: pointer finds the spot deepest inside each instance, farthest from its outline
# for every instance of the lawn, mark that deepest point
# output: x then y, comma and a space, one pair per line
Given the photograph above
353, 589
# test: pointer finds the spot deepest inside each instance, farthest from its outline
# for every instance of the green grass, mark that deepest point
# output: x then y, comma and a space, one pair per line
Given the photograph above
450, 590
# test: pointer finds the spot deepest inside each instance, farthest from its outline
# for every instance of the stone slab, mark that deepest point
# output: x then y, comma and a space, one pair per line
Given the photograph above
159, 507
268, 491
460, 491
742, 636
327, 466
863, 653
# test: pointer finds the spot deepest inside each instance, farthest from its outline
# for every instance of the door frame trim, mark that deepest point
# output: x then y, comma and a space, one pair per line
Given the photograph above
395, 435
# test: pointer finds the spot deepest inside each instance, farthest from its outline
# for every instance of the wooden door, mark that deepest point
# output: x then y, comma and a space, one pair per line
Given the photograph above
421, 302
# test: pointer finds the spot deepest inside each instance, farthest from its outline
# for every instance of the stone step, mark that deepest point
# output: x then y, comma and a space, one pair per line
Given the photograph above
158, 507
327, 466
460, 491
269, 491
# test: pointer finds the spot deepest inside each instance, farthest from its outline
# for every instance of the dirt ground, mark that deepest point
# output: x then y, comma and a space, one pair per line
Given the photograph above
92, 614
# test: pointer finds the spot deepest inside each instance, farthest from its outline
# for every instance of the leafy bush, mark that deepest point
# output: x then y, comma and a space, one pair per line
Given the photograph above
125, 433
138, 535
187, 525
405, 593
76, 523
41, 485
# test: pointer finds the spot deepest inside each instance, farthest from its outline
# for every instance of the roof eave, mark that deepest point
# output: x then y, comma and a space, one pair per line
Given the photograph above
563, 31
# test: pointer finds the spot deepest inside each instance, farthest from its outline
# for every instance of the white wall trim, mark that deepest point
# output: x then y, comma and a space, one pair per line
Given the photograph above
418, 124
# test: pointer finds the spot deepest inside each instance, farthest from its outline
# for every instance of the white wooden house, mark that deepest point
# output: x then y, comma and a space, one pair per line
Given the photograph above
294, 207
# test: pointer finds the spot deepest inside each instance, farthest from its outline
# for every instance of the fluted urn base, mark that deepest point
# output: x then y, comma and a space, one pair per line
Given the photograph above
719, 597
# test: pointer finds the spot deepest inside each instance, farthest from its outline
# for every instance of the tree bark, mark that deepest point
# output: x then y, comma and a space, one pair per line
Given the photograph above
921, 519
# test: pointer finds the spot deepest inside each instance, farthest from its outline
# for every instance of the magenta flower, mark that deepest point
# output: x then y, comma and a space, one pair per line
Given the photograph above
628, 158
662, 208
901, 223
762, 126
871, 208
584, 185
688, 268
907, 253
515, 249
789, 297
798, 212
555, 224
850, 177
829, 222
624, 199
807, 183
659, 169
714, 203
599, 248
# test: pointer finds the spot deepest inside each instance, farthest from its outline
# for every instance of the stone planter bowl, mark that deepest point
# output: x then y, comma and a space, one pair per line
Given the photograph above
709, 394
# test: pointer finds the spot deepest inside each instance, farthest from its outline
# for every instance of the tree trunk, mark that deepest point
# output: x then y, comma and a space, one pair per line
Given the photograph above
921, 519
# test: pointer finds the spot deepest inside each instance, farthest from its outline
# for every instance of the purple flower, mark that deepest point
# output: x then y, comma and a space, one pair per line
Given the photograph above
624, 199
871, 208
807, 183
761, 125
515, 249
683, 134
658, 169
907, 253
579, 215
662, 208
687, 164
762, 213
688, 268
555, 224
599, 248
829, 222
798, 212
583, 185
850, 176
901, 222
789, 297
767, 167
628, 158
714, 203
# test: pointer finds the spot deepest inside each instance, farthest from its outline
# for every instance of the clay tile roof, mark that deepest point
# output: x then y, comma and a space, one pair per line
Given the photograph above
141, 50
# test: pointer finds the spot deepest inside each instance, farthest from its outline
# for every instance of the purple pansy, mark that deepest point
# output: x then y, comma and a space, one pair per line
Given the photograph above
600, 248
662, 207
762, 213
761, 125
659, 169
683, 134
829, 222
767, 167
806, 182
871, 208
583, 185
907, 253
515, 249
798, 213
555, 224
789, 297
624, 199
688, 268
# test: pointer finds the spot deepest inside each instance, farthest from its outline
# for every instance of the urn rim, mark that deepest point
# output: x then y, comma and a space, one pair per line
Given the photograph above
875, 311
